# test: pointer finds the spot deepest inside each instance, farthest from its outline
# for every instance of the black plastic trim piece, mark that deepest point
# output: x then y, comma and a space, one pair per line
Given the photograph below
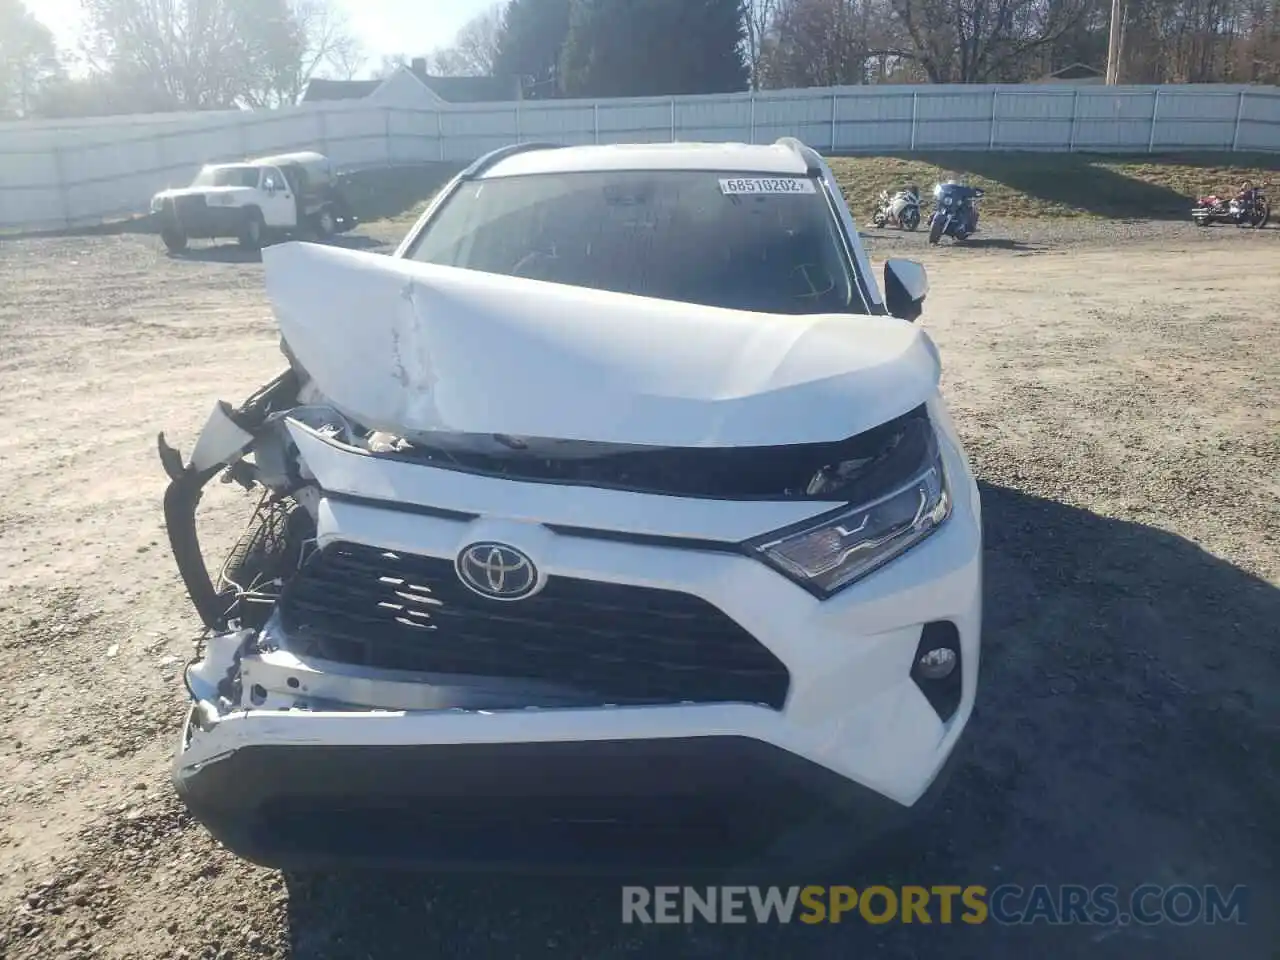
186, 486
180, 500
810, 156
251, 414
502, 153
584, 533
648, 539
943, 695
398, 506
409, 458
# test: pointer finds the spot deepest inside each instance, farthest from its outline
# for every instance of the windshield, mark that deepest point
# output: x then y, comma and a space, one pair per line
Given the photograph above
242, 176
670, 234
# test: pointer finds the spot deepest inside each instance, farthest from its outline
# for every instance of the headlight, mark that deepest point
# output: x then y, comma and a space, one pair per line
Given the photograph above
946, 201
847, 546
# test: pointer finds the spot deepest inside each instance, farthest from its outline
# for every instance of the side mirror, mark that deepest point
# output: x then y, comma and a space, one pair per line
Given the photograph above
905, 286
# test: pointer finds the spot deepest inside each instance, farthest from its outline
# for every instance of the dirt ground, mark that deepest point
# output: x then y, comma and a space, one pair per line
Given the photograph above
1119, 390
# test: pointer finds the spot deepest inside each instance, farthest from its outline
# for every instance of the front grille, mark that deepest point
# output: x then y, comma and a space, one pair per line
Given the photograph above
191, 205
621, 644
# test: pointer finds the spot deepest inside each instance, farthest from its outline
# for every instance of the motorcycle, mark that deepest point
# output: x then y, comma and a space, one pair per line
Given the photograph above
1248, 208
955, 211
901, 210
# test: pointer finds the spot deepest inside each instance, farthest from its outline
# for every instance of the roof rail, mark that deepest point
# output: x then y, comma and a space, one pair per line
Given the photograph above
496, 156
809, 155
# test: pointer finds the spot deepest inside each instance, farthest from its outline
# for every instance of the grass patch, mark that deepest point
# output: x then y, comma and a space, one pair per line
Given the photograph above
1040, 185
1019, 185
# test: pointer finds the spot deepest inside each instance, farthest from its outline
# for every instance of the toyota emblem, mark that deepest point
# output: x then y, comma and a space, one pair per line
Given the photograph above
496, 571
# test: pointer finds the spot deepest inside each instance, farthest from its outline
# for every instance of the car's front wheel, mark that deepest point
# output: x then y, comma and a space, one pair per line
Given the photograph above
254, 230
326, 223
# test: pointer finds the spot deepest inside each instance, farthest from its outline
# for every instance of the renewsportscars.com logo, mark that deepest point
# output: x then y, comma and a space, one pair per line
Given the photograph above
1009, 904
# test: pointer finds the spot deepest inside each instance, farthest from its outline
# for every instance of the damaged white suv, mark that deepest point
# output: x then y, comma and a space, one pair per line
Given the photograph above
614, 521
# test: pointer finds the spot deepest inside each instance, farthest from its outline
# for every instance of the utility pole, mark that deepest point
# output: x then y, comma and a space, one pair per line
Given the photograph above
1113, 44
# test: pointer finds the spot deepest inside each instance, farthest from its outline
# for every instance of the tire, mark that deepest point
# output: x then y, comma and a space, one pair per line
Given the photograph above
1261, 221
253, 233
174, 238
935, 231
326, 224
912, 220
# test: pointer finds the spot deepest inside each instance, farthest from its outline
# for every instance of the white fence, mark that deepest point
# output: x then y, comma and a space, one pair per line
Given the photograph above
55, 175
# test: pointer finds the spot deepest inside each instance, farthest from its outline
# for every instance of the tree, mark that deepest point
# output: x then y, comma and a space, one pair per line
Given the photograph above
967, 41
474, 50
210, 54
389, 64
758, 22
28, 59
97, 95
636, 48
824, 43
531, 42
293, 43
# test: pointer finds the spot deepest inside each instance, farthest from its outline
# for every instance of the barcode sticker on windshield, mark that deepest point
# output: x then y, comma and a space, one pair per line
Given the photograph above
762, 185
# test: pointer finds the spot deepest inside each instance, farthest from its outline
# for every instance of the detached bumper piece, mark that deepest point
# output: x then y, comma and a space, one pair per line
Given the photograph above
718, 803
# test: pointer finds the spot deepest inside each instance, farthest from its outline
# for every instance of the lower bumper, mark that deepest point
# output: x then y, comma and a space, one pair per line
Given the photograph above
720, 803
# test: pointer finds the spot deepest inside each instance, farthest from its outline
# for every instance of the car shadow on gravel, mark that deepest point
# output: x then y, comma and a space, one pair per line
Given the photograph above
1124, 734
995, 243
880, 240
217, 253
1079, 181
234, 253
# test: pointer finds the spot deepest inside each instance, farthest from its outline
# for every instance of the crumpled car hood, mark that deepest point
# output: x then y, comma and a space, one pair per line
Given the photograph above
413, 348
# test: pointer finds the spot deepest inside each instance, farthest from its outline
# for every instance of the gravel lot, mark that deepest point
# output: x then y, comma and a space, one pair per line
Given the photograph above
1118, 386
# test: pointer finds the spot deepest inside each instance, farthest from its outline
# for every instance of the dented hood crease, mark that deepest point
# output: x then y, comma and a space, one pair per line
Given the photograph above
413, 348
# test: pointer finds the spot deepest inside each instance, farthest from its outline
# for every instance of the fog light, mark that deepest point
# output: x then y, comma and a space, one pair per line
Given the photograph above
938, 667
937, 663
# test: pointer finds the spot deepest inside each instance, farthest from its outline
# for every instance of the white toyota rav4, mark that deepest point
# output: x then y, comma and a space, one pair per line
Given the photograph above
615, 520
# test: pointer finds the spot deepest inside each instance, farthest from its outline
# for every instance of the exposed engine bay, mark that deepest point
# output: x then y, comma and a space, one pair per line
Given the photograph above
271, 608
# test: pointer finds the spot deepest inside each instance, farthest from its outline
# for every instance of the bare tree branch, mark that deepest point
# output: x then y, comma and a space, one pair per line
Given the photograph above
759, 20
474, 50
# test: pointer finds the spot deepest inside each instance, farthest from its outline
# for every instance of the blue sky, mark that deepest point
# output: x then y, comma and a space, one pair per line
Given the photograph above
384, 26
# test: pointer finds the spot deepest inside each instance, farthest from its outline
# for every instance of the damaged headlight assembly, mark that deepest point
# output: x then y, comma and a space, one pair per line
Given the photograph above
838, 549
